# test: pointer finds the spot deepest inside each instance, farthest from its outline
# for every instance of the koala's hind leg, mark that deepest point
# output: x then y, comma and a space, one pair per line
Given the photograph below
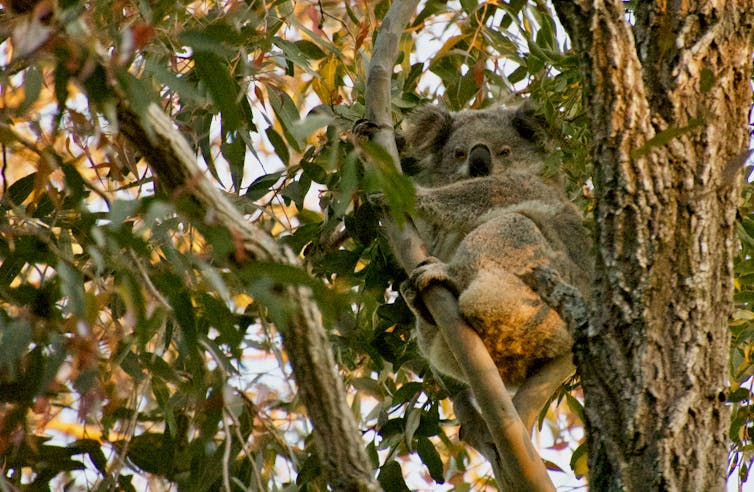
526, 338
429, 272
539, 386
515, 323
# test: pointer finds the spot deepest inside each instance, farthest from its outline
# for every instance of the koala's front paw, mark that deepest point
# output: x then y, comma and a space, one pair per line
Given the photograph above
429, 272
363, 130
378, 201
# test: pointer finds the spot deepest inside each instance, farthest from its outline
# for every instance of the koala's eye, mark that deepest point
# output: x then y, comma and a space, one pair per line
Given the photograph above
504, 150
459, 153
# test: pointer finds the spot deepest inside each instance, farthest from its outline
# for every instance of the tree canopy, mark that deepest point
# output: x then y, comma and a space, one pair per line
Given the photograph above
146, 342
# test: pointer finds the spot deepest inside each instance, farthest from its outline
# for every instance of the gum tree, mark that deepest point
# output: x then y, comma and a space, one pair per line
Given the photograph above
195, 290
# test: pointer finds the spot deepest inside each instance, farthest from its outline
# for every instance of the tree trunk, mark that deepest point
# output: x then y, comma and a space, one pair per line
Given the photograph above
668, 99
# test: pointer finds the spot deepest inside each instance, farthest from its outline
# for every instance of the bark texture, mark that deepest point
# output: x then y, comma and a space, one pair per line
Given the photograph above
668, 96
336, 434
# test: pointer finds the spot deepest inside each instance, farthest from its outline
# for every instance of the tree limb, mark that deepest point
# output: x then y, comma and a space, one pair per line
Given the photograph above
516, 462
336, 434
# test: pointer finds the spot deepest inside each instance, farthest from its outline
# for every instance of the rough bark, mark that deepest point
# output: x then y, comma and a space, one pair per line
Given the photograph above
336, 434
515, 461
668, 99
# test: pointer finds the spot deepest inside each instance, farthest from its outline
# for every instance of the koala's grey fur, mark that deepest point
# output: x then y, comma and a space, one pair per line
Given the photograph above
489, 218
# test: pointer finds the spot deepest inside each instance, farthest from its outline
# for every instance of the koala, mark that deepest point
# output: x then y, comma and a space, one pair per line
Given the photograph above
489, 218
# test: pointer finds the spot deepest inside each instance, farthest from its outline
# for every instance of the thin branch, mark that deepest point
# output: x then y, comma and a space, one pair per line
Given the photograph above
517, 463
336, 434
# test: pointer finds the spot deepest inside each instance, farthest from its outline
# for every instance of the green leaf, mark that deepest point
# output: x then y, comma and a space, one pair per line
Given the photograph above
62, 75
297, 190
340, 262
391, 478
309, 49
518, 74
206, 42
183, 310
545, 37
287, 114
75, 185
739, 395
234, 151
151, 452
315, 120
412, 421
292, 53
96, 86
15, 337
94, 450
157, 367
381, 176
131, 365
262, 185
406, 392
309, 471
139, 93
469, 6
314, 172
21, 189
223, 89
744, 236
281, 149
575, 406
10, 267
185, 88
431, 459
395, 313
72, 287
32, 87
349, 182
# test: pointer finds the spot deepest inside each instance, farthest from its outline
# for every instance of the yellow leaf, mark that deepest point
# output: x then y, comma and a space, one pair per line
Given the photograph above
328, 71
242, 301
743, 314
449, 45
580, 466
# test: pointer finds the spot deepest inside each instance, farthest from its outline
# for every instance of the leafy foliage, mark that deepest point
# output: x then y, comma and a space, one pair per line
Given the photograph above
134, 350
741, 394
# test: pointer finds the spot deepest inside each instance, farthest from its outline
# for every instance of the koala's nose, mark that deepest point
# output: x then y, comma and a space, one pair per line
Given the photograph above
480, 161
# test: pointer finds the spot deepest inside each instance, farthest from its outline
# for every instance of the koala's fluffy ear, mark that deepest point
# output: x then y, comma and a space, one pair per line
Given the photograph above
529, 123
427, 130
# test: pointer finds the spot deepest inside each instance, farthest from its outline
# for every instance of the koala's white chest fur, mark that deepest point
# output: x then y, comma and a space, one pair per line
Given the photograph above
487, 215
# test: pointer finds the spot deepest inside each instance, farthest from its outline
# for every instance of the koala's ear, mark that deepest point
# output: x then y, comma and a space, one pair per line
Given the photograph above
529, 123
427, 130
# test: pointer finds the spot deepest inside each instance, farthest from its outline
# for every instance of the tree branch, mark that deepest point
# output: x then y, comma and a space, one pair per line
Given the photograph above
516, 462
336, 434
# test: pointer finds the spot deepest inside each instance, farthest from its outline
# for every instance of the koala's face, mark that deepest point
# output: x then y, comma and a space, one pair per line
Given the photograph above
456, 146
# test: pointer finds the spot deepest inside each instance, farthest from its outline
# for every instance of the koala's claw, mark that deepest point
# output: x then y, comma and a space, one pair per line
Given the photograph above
365, 129
377, 200
429, 272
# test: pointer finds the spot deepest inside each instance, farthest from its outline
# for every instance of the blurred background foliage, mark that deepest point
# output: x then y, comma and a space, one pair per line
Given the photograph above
133, 354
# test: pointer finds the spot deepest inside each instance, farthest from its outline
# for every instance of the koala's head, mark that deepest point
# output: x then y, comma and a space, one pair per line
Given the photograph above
450, 147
